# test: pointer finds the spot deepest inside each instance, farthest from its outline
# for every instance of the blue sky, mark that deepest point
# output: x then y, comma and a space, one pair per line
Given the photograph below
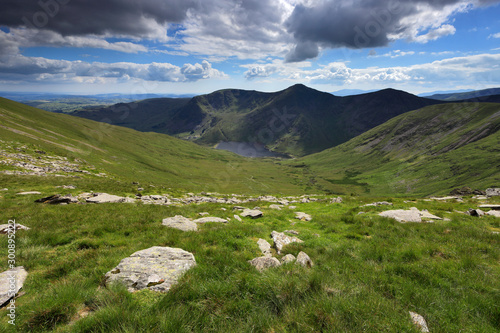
193, 46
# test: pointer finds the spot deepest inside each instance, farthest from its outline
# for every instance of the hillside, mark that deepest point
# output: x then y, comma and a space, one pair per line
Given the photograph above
476, 94
296, 121
426, 151
126, 155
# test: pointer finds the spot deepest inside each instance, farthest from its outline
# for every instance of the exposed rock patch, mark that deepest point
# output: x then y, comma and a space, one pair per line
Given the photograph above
287, 259
263, 263
281, 240
400, 215
253, 213
11, 282
303, 216
264, 247
210, 219
180, 222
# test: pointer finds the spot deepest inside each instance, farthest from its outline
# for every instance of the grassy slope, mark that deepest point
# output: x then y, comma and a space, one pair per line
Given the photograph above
427, 151
152, 158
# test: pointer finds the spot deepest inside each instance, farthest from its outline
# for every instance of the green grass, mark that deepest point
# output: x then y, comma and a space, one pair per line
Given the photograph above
368, 271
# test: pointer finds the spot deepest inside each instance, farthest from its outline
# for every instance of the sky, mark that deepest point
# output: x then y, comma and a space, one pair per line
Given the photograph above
199, 46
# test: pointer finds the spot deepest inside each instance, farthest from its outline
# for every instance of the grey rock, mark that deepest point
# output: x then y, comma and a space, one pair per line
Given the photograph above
29, 193
293, 232
105, 198
304, 260
495, 213
292, 207
239, 208
4, 189
4, 228
494, 207
412, 215
157, 268
376, 204
419, 322
336, 200
264, 247
280, 240
303, 216
277, 207
58, 199
475, 212
287, 259
180, 222
426, 215
210, 219
253, 213
263, 263
203, 214
493, 192
11, 282
238, 218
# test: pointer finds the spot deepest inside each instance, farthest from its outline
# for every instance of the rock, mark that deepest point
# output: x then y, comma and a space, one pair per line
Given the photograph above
292, 207
180, 222
426, 215
494, 207
4, 228
253, 213
380, 203
288, 258
280, 240
203, 214
105, 198
11, 282
304, 260
412, 215
480, 197
493, 192
156, 268
303, 216
336, 200
223, 209
293, 232
29, 193
238, 218
264, 247
495, 213
262, 263
210, 219
239, 208
4, 189
461, 191
419, 322
446, 198
69, 187
277, 207
57, 199
475, 212
305, 200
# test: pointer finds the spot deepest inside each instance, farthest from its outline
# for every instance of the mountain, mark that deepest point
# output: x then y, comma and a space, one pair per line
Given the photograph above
349, 92
33, 139
296, 121
426, 151
442, 92
476, 94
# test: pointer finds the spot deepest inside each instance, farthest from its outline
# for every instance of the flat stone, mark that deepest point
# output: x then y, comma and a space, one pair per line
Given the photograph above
303, 216
4, 228
287, 259
253, 213
475, 212
105, 198
180, 222
400, 215
292, 207
495, 213
304, 260
238, 218
419, 322
157, 268
263, 263
293, 232
277, 207
376, 204
495, 207
280, 240
426, 215
204, 214
11, 282
264, 247
446, 198
493, 192
210, 219
29, 193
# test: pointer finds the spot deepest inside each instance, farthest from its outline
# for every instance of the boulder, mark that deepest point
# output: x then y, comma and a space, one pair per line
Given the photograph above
493, 192
280, 240
336, 200
303, 216
288, 258
262, 263
253, 213
11, 282
304, 260
419, 322
400, 215
58, 199
495, 213
475, 212
4, 228
157, 268
105, 198
180, 222
264, 247
210, 219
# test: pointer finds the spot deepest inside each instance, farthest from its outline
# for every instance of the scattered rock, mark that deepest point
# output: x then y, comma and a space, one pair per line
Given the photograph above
239, 208
303, 216
210, 219
419, 322
446, 198
11, 282
203, 214
277, 207
253, 213
292, 207
4, 189
58, 199
29, 193
400, 215
4, 228
180, 222
156, 268
466, 191
304, 260
380, 203
475, 212
223, 209
263, 263
105, 198
288, 258
293, 232
280, 240
495, 213
493, 192
264, 247
494, 207
336, 200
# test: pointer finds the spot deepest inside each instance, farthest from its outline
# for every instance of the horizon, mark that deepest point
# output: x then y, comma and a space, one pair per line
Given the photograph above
192, 48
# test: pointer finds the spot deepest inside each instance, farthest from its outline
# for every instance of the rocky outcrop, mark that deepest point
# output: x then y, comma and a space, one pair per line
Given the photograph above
157, 268
180, 222
263, 263
466, 191
493, 192
281, 240
11, 282
253, 213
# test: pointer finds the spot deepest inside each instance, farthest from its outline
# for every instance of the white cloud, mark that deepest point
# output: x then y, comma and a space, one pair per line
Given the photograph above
497, 35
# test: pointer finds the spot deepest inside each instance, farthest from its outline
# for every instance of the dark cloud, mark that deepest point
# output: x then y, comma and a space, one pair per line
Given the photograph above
355, 24
97, 17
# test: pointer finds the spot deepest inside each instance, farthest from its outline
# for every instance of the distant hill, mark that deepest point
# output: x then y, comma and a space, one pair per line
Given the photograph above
426, 151
296, 121
476, 94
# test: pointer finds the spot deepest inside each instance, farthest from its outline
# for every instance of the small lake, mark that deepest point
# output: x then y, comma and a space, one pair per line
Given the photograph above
248, 149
